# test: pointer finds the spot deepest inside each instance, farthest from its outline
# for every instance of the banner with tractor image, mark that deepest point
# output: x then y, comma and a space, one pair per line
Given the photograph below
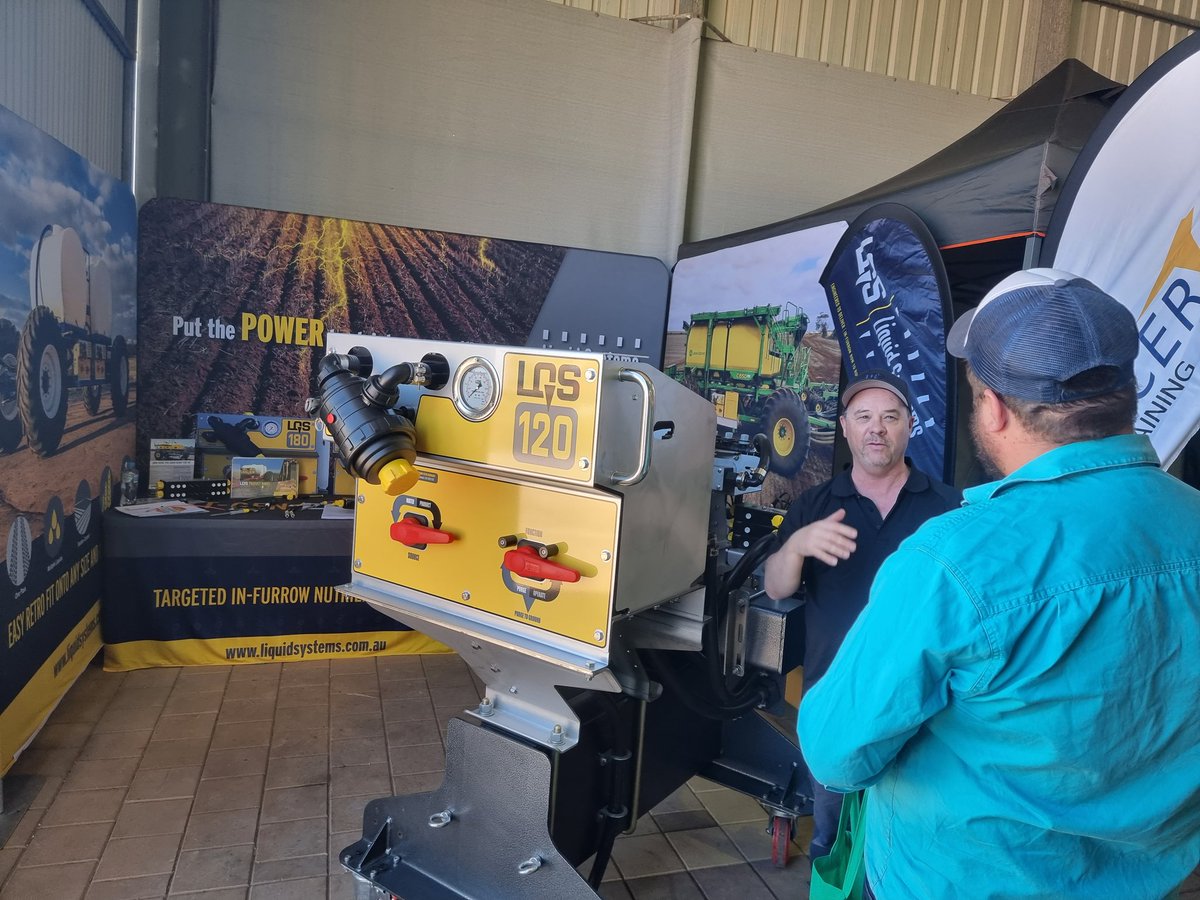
67, 348
749, 328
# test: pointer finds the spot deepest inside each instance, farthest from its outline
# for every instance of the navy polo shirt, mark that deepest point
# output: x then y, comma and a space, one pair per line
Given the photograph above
835, 595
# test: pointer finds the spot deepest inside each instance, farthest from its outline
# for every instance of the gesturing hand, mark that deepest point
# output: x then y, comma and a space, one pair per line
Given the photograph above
828, 539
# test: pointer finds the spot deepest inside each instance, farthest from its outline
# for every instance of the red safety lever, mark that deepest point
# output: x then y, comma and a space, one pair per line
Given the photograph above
525, 561
410, 532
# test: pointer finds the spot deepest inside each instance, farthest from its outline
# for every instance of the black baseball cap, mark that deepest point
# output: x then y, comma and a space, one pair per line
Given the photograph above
876, 379
1039, 328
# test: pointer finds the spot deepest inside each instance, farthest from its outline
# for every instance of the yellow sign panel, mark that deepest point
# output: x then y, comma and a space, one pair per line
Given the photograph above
544, 422
492, 561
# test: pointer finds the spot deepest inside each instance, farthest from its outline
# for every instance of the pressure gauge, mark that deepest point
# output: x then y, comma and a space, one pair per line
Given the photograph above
476, 389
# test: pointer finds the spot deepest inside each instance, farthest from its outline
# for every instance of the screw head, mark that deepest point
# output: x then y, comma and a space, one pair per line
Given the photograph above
358, 564
585, 463
598, 634
362, 498
605, 555
513, 689
589, 375
466, 595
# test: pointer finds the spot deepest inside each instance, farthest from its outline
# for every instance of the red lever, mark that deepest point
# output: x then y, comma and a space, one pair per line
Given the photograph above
526, 562
410, 532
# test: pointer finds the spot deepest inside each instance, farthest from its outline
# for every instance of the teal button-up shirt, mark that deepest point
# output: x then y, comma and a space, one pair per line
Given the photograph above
1022, 691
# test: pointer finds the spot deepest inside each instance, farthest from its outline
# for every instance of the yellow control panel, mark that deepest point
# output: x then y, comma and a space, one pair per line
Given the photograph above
539, 554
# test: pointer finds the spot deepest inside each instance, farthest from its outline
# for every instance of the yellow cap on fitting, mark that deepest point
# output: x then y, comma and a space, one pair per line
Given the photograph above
398, 476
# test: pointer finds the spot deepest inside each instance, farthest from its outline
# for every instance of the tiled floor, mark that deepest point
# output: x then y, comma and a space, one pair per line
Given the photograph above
246, 782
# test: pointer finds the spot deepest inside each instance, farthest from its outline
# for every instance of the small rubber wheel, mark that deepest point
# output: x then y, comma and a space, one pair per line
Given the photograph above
782, 828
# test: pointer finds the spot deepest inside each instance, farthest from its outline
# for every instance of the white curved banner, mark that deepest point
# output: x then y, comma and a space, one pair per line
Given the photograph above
1129, 221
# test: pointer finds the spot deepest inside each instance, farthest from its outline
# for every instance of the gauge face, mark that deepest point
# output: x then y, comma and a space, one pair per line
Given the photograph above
476, 389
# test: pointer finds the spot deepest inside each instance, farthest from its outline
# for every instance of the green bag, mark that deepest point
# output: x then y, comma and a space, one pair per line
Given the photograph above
839, 876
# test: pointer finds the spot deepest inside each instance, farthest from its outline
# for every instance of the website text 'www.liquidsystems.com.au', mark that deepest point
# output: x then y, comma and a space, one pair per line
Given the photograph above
273, 650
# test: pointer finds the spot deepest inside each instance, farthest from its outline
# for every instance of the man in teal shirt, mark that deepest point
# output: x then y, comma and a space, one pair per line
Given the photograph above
1021, 691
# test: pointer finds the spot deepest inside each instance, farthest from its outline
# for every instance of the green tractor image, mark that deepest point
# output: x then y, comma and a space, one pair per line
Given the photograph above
752, 365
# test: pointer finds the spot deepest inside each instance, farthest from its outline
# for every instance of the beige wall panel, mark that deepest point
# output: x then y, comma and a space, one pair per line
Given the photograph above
778, 137
515, 119
787, 30
1122, 44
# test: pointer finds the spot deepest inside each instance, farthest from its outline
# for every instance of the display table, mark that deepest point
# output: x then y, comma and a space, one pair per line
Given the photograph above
212, 588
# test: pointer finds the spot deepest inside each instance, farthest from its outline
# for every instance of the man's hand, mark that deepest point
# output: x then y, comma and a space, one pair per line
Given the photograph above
829, 540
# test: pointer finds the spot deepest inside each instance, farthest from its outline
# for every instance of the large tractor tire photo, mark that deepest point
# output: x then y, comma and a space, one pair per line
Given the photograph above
118, 376
42, 381
785, 421
11, 429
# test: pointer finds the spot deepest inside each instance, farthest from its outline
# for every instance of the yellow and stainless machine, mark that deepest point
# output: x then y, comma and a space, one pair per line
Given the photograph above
549, 515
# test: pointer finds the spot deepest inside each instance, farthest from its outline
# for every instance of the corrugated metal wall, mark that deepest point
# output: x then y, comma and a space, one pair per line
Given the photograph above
985, 47
60, 71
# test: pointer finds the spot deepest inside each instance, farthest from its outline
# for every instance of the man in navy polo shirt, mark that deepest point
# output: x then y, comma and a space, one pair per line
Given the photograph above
835, 536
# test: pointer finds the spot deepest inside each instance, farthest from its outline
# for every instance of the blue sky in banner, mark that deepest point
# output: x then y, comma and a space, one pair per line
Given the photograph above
776, 271
43, 182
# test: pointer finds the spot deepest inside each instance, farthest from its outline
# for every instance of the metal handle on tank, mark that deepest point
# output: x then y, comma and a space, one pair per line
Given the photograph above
647, 427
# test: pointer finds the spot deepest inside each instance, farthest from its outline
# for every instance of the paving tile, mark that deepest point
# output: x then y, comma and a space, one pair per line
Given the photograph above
684, 820
703, 785
647, 824
346, 813
52, 762
679, 800
404, 689
95, 774
288, 804
349, 687
164, 784
285, 840
407, 710
350, 781
46, 794
300, 743
203, 869
675, 886
202, 680
144, 817
738, 882
343, 887
66, 844
183, 727
79, 708
115, 745
305, 672
339, 841
649, 854
704, 847
307, 718
147, 887
186, 702
133, 857
173, 754
152, 677
241, 734
751, 839
138, 698
729, 807
614, 890
417, 759
69, 881
264, 672
20, 836
67, 734
251, 690
293, 771
404, 734
261, 710
138, 719
362, 726
237, 893
221, 829
454, 695
289, 869
360, 665
403, 785
221, 794
302, 889
239, 761
789, 882
83, 807
356, 752
399, 666
302, 696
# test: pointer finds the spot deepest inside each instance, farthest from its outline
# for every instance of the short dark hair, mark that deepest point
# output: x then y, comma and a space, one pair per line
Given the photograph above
1076, 420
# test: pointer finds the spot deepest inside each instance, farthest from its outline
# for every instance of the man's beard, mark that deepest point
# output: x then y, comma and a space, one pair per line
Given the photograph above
990, 468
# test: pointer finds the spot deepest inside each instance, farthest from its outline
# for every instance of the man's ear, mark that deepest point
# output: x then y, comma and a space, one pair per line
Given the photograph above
993, 414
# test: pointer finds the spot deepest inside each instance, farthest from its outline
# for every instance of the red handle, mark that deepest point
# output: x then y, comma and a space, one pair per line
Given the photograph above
525, 561
410, 532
